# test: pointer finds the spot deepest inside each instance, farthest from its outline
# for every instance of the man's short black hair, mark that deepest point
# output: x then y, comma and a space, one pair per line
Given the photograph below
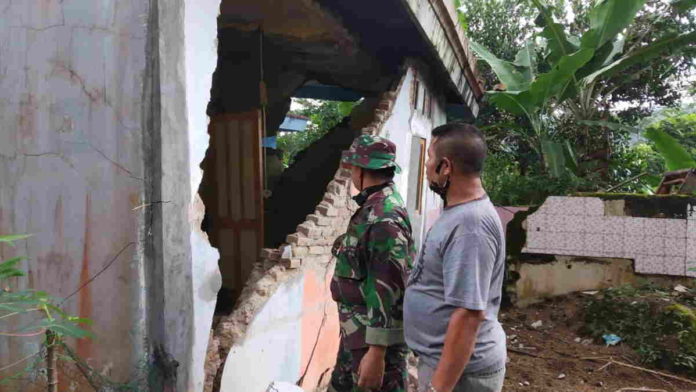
386, 174
462, 143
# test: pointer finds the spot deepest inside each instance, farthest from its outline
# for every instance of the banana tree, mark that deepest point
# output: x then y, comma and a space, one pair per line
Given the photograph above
579, 69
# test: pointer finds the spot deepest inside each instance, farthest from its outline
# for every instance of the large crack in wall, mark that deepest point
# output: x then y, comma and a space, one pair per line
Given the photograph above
308, 249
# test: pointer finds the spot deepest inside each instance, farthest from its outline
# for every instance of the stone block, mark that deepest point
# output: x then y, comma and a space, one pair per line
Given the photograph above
327, 210
270, 254
320, 221
309, 230
292, 263
299, 251
334, 188
340, 203
318, 250
330, 198
385, 105
297, 239
266, 253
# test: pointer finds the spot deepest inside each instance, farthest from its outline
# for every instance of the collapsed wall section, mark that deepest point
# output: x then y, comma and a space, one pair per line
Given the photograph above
590, 243
285, 318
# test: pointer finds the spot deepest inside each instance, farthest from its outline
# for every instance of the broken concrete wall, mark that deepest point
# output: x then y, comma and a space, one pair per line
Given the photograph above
537, 281
200, 26
604, 241
94, 162
285, 317
585, 226
312, 170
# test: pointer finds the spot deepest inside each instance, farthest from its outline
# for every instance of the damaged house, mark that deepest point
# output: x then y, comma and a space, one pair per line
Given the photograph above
132, 149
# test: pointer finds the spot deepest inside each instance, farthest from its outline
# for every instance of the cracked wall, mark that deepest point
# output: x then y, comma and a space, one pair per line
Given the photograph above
285, 319
103, 116
71, 166
604, 241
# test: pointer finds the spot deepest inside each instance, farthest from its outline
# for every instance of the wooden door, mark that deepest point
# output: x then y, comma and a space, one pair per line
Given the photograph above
238, 211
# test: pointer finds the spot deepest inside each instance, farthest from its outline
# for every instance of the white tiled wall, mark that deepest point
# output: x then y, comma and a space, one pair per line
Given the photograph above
577, 226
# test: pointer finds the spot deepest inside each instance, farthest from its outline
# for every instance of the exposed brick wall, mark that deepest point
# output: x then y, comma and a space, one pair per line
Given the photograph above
315, 236
308, 247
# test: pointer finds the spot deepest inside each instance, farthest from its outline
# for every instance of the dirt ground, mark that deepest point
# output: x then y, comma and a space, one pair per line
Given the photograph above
554, 357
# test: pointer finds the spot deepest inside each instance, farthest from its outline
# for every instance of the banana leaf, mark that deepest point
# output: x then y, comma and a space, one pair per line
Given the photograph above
676, 157
514, 77
669, 45
607, 19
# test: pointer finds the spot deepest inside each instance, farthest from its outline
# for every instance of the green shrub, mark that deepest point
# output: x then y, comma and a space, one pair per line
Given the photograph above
662, 334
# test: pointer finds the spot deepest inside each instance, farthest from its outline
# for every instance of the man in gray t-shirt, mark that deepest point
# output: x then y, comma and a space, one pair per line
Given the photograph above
454, 291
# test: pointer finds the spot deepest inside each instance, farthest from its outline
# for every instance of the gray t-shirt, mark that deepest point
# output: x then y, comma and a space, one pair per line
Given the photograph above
461, 265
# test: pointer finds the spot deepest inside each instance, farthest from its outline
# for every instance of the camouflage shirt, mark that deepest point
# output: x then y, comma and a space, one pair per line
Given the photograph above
373, 259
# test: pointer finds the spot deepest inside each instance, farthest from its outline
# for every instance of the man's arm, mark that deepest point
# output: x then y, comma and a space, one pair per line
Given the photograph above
467, 268
459, 345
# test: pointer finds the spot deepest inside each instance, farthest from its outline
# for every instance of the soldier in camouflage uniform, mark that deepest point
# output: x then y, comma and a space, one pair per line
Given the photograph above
373, 258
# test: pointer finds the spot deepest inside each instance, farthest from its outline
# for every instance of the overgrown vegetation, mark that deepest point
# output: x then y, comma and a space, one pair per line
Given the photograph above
573, 82
659, 324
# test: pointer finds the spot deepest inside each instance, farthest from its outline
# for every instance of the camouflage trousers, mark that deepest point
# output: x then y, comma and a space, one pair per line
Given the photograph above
345, 374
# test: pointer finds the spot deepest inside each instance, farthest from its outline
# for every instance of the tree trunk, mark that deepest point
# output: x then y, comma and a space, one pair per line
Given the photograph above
51, 369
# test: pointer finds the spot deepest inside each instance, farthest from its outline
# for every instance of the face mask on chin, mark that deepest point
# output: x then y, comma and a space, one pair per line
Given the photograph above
361, 197
441, 190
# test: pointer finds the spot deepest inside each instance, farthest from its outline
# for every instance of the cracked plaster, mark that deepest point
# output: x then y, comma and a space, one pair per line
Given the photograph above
70, 149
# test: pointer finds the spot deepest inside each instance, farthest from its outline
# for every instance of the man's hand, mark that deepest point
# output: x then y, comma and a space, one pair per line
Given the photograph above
371, 369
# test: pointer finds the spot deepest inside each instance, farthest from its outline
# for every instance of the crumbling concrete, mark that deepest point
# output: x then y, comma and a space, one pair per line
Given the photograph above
288, 293
602, 241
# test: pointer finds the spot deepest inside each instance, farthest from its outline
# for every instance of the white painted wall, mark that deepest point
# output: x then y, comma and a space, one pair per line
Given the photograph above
272, 348
402, 125
201, 59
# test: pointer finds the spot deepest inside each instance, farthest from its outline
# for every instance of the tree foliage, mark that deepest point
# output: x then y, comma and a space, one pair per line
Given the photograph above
323, 116
569, 89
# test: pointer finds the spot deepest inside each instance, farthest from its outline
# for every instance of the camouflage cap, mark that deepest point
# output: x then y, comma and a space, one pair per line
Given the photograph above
371, 152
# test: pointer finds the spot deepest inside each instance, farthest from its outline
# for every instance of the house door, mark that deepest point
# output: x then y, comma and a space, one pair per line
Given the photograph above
238, 210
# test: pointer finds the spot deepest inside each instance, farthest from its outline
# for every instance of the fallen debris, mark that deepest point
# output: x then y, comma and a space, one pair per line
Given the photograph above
537, 324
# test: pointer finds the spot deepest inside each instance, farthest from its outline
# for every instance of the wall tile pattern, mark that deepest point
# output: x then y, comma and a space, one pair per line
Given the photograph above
578, 226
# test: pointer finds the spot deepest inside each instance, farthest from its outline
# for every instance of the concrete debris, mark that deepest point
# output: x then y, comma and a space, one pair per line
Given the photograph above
537, 324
